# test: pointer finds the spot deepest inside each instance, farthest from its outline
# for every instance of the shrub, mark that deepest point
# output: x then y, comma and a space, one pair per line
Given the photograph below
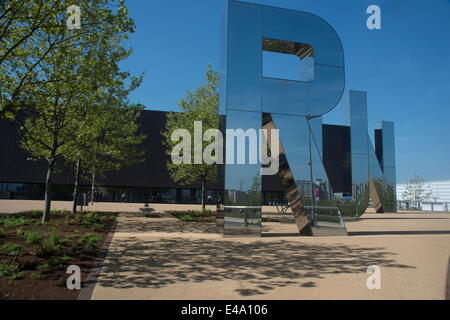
89, 241
47, 248
2, 233
12, 249
36, 276
43, 266
62, 281
11, 271
69, 238
54, 238
60, 261
94, 220
19, 233
33, 237
15, 221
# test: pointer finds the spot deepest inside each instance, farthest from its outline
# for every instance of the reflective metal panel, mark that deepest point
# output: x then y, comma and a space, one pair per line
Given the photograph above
304, 27
242, 221
381, 192
223, 63
244, 57
388, 147
242, 180
388, 161
355, 106
301, 162
250, 29
248, 25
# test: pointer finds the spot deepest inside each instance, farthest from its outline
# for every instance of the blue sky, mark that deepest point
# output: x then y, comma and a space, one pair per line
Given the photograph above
404, 67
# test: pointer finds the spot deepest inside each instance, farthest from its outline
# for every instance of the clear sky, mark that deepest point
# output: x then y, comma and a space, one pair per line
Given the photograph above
404, 67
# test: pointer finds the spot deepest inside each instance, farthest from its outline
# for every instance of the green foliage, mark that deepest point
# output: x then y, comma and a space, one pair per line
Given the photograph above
201, 105
2, 233
35, 32
15, 221
195, 215
51, 243
35, 214
11, 271
36, 276
62, 281
33, 237
60, 261
89, 241
416, 190
19, 233
94, 219
13, 249
54, 238
72, 104
45, 266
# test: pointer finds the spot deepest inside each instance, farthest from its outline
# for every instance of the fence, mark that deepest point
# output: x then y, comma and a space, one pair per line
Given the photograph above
424, 206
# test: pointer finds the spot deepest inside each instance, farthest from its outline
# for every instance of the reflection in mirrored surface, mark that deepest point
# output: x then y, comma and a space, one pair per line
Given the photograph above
303, 176
251, 100
242, 221
242, 197
373, 169
253, 29
287, 60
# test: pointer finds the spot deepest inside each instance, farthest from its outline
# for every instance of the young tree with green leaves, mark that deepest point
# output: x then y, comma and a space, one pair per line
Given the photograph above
31, 30
70, 79
107, 139
201, 105
416, 190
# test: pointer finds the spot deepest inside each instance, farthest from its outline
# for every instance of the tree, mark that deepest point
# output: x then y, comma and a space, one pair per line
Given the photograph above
71, 79
201, 105
32, 30
416, 190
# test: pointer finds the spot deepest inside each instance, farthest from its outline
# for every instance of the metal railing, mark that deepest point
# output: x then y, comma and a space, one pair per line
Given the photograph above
432, 206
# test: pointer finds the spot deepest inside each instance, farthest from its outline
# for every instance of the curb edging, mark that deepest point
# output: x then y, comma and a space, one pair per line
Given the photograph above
88, 286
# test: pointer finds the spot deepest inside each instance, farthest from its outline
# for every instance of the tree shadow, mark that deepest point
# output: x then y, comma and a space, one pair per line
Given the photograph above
265, 265
138, 224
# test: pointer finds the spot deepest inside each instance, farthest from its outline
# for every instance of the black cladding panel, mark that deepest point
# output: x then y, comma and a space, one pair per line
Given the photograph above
337, 157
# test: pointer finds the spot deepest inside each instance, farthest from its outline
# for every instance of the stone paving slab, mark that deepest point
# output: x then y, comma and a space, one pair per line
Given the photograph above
181, 263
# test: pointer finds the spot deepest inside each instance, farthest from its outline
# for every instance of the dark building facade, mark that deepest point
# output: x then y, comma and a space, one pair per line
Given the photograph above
22, 178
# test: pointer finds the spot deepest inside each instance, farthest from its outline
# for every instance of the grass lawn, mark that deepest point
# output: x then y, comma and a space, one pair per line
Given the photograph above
195, 215
34, 256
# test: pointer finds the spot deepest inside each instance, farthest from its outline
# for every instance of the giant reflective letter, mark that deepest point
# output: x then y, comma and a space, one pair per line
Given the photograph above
250, 100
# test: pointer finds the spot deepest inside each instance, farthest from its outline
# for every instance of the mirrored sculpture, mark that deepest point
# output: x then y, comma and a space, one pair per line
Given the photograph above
249, 100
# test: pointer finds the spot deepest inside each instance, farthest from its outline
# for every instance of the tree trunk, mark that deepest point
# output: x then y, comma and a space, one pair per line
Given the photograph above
75, 189
93, 187
203, 192
48, 191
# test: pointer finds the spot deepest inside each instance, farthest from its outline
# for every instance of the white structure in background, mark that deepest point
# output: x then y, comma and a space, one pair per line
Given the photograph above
439, 201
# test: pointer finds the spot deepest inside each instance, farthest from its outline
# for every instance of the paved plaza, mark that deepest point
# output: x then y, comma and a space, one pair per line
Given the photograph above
164, 258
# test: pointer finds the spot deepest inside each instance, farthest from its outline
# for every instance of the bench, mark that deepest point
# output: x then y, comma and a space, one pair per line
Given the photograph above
146, 210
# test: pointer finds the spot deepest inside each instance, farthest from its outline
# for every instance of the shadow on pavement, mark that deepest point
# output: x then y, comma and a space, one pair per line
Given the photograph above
375, 233
156, 263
